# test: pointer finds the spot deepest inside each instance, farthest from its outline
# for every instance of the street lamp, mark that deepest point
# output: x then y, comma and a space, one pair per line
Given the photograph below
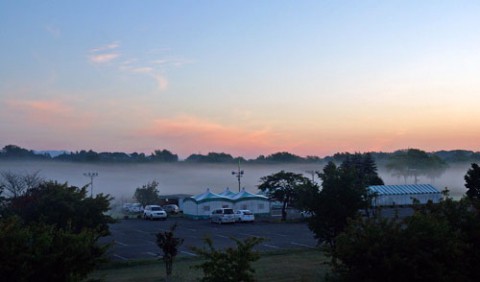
91, 175
238, 174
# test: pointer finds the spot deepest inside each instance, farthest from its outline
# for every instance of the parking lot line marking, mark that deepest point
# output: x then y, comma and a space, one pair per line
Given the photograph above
152, 254
278, 234
302, 245
271, 246
141, 231
120, 257
193, 230
188, 253
221, 236
121, 244
246, 234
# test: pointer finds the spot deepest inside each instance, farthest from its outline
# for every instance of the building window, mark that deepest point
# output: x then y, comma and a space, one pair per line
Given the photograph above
224, 206
206, 208
261, 206
244, 207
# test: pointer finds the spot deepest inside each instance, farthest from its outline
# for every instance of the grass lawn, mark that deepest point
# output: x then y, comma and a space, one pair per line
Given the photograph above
294, 265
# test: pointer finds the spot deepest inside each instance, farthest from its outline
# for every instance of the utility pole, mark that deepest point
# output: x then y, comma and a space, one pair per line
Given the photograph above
238, 174
312, 172
91, 175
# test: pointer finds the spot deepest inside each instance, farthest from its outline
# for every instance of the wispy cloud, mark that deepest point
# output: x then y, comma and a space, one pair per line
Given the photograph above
103, 58
53, 30
153, 68
104, 54
111, 46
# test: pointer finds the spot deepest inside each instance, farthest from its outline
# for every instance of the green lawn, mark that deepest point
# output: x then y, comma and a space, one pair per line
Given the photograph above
295, 265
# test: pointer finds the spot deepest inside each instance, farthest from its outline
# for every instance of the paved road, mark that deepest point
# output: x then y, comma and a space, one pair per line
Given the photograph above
135, 238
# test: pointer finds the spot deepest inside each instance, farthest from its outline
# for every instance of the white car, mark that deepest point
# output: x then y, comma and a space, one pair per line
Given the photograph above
223, 215
154, 212
244, 216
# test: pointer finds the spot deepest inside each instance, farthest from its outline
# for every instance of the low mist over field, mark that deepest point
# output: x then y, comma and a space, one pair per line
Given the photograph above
121, 180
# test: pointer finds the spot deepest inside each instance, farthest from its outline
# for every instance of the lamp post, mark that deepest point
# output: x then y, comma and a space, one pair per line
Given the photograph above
238, 174
91, 175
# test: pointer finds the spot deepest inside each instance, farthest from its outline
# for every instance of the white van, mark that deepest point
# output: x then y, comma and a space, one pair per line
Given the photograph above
224, 215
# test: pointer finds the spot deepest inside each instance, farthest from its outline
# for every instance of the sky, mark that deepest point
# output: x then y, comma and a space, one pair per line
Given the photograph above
247, 78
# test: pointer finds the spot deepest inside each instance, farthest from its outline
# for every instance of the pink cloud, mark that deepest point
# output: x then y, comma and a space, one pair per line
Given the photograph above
52, 113
190, 135
103, 58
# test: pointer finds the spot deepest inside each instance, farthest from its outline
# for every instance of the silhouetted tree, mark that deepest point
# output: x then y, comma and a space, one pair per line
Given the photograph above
164, 156
64, 206
283, 187
169, 244
17, 183
147, 194
341, 197
440, 242
413, 163
472, 182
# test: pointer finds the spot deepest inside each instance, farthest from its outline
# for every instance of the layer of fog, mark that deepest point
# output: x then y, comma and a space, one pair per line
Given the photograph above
121, 180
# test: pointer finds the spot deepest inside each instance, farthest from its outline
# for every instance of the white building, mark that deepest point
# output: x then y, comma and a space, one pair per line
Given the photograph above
403, 195
201, 206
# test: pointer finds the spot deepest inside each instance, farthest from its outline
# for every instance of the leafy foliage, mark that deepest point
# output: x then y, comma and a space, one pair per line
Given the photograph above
66, 207
41, 252
230, 265
169, 244
51, 232
364, 167
341, 197
472, 182
283, 186
440, 242
148, 194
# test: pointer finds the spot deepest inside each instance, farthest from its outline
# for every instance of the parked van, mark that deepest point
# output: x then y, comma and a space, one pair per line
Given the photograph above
224, 215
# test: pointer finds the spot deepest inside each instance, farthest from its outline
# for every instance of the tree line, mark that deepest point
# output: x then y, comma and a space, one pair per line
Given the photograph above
12, 152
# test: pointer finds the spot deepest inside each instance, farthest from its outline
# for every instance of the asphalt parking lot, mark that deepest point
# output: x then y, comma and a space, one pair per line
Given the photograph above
135, 238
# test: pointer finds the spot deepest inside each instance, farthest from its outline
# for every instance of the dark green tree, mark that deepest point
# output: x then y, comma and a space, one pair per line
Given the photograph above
66, 207
282, 186
440, 242
341, 197
231, 264
41, 252
51, 233
472, 182
148, 194
365, 168
169, 244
